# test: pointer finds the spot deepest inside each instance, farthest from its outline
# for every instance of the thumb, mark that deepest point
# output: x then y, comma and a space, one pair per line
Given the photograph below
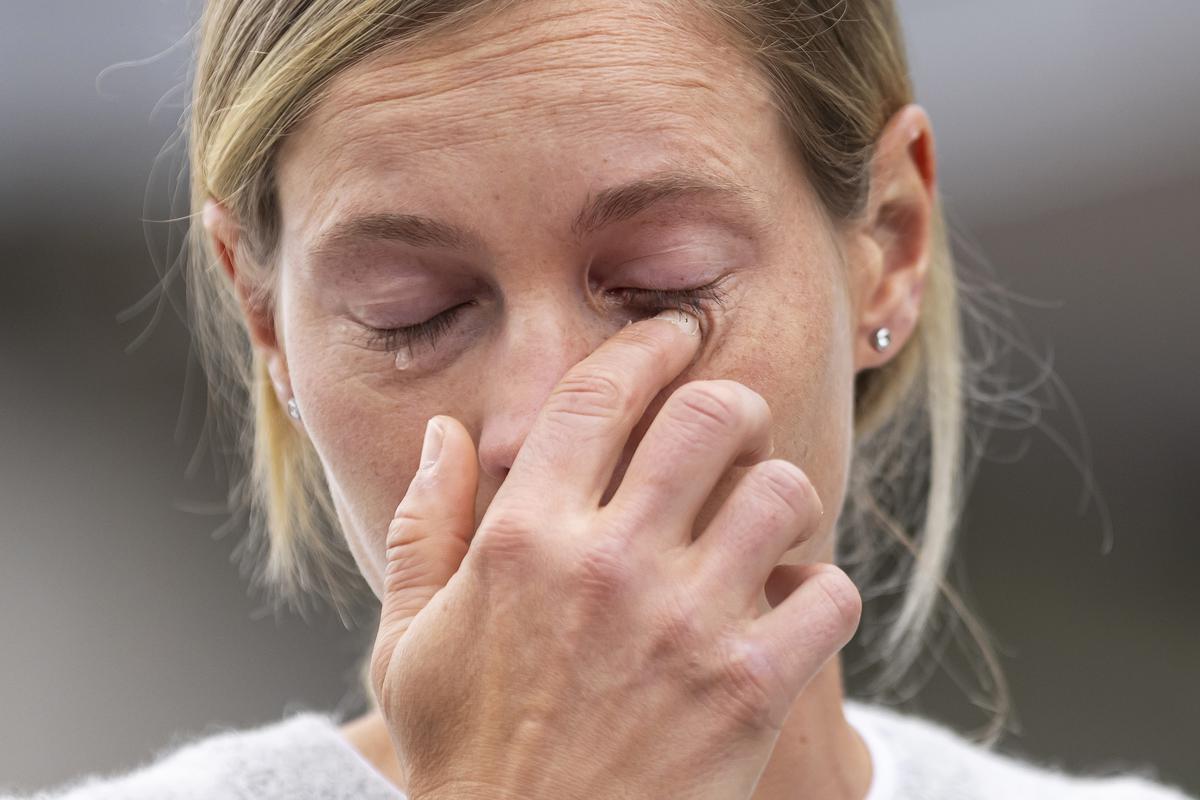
429, 534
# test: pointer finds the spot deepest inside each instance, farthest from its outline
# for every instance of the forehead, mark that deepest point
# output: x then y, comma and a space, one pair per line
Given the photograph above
533, 104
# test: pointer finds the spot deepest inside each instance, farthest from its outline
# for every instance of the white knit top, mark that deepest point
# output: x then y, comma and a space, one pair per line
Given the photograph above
305, 755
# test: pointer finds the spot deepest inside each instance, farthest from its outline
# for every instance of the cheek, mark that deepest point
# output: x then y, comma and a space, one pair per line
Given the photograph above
794, 351
788, 343
366, 431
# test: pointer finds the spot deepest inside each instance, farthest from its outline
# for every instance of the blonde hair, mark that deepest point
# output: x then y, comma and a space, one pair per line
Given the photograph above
838, 72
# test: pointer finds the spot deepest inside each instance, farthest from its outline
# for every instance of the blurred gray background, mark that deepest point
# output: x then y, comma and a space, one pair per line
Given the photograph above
1067, 134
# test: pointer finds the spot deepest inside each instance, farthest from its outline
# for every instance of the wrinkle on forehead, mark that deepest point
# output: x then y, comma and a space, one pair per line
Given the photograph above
552, 80
592, 34
559, 60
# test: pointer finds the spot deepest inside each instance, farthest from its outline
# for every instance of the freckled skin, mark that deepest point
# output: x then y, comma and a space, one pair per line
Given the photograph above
505, 127
508, 133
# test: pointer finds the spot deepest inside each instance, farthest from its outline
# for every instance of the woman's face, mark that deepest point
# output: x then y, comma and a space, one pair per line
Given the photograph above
532, 172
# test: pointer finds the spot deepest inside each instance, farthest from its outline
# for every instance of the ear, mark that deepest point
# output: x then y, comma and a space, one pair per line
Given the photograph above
895, 236
258, 311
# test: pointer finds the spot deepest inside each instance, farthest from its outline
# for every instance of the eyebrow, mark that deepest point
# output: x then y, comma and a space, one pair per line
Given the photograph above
626, 201
603, 208
412, 229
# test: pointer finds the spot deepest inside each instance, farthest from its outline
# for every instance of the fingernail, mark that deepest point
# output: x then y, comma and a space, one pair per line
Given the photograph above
683, 319
432, 446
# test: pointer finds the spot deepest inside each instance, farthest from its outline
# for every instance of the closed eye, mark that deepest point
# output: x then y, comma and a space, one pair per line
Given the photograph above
650, 301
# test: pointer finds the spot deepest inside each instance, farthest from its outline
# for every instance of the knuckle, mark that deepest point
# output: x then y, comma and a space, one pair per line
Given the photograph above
841, 604
602, 569
709, 405
415, 564
505, 536
597, 391
745, 688
405, 527
679, 626
781, 481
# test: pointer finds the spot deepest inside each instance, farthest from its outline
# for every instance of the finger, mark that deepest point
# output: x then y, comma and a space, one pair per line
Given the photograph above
817, 609
429, 534
581, 431
703, 428
772, 508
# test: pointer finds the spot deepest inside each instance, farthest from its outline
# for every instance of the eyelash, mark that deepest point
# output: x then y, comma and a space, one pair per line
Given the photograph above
652, 300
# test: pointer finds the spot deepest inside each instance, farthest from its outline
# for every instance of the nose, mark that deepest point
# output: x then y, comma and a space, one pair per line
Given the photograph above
537, 349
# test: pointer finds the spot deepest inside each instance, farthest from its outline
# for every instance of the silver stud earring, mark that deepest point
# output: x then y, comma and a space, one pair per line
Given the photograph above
293, 409
881, 338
